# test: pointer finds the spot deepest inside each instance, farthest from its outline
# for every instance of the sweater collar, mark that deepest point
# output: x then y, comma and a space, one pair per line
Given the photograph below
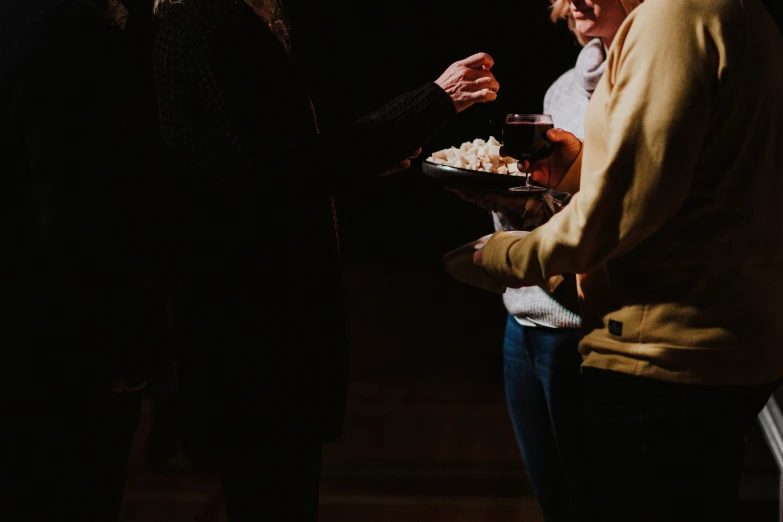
590, 65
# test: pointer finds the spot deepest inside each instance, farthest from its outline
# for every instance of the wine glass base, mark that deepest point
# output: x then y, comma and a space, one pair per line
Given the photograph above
528, 188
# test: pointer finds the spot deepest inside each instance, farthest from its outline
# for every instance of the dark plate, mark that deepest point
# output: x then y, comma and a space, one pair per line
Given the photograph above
471, 179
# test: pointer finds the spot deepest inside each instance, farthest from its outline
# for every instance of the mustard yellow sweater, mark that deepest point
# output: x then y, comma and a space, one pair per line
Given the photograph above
678, 222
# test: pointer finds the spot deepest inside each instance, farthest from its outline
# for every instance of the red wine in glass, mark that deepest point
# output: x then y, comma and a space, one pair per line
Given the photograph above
524, 138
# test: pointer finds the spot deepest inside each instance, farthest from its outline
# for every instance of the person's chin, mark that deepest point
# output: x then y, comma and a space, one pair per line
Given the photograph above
585, 28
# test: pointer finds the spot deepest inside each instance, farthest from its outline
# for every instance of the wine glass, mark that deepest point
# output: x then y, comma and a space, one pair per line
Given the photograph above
524, 138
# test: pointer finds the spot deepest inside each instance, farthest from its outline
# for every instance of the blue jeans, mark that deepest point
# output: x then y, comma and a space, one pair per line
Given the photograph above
544, 394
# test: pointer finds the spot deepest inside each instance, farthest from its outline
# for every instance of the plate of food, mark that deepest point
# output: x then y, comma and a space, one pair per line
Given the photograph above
475, 165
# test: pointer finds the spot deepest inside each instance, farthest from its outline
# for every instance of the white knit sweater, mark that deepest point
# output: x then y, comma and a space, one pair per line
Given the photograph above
566, 100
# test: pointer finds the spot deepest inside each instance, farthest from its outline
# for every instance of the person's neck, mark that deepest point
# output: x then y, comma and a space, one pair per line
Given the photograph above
607, 41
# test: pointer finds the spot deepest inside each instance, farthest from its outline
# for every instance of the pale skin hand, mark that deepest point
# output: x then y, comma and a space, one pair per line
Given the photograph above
469, 81
466, 82
550, 171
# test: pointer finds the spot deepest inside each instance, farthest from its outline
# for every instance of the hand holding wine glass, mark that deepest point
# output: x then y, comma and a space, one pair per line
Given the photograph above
524, 138
550, 170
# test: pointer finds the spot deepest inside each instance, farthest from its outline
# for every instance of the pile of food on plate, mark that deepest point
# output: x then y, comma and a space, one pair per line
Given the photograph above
478, 155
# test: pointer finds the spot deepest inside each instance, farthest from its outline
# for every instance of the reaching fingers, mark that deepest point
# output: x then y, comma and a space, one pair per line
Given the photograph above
480, 79
540, 176
483, 95
398, 167
564, 137
404, 164
474, 74
539, 172
556, 135
478, 61
487, 83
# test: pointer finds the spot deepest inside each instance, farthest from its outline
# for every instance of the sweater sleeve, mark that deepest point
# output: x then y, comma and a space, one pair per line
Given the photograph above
241, 58
657, 116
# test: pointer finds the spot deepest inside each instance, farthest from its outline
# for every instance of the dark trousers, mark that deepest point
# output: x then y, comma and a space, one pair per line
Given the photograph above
544, 395
665, 452
243, 389
67, 447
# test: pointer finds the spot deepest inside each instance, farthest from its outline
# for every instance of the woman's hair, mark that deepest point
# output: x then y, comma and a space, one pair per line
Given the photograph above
562, 11
270, 11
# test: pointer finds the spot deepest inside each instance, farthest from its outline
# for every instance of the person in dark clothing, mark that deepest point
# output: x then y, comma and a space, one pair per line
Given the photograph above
258, 305
83, 268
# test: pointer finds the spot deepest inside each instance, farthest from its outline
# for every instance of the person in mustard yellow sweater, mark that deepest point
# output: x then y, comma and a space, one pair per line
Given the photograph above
677, 231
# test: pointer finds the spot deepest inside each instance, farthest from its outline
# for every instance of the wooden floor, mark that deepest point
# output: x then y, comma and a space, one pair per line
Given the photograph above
427, 435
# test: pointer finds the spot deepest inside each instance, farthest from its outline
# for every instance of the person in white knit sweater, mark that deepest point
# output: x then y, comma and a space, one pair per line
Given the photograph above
540, 353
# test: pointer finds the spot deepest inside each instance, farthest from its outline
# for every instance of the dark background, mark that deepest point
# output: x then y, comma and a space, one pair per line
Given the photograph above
362, 53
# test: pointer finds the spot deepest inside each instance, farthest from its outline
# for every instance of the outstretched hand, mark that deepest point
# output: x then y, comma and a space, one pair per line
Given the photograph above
469, 81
